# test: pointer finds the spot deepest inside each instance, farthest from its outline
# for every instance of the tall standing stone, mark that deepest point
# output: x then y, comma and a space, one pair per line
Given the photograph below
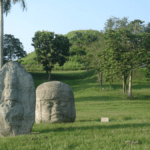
54, 103
17, 100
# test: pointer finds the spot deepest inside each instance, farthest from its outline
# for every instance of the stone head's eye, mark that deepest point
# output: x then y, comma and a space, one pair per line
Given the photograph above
48, 103
8, 101
51, 104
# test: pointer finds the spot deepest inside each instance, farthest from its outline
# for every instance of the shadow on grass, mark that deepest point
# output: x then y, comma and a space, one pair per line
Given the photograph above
97, 98
64, 76
83, 85
100, 126
113, 98
141, 86
141, 97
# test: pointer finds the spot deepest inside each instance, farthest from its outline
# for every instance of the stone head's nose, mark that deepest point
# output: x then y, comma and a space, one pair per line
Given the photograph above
11, 103
10, 94
10, 88
56, 107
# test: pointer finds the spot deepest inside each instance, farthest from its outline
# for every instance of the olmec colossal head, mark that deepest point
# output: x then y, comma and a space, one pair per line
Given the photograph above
55, 103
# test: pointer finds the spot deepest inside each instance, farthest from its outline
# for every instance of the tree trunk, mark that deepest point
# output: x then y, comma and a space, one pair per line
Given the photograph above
1, 34
49, 77
100, 78
124, 84
87, 69
82, 64
130, 85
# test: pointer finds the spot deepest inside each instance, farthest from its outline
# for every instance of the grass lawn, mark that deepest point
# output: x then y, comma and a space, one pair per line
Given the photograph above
129, 119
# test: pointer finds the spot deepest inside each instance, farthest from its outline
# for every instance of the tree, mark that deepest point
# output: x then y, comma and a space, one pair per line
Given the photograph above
110, 55
145, 46
114, 23
77, 47
5, 7
79, 50
93, 56
50, 49
125, 52
89, 37
134, 27
80, 41
110, 23
147, 28
12, 48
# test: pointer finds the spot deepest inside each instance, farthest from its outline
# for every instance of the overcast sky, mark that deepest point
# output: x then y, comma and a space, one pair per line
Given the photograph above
63, 16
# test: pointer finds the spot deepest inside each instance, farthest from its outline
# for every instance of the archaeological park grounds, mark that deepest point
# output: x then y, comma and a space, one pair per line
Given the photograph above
129, 119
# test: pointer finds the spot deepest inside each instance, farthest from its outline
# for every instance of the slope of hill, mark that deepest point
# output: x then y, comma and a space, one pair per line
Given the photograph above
31, 65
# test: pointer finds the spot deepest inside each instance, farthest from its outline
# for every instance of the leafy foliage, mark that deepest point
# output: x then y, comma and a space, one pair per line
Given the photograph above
7, 5
114, 23
80, 41
12, 48
124, 52
50, 49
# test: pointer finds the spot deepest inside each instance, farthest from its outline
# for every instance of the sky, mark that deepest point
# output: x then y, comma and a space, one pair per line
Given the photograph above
63, 16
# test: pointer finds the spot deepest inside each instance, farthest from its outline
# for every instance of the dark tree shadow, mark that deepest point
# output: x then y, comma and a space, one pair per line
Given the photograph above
100, 126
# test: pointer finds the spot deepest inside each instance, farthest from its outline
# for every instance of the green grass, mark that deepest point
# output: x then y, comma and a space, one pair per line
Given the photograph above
129, 120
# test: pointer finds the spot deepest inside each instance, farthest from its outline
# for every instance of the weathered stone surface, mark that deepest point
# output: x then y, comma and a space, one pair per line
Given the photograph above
54, 103
17, 100
104, 119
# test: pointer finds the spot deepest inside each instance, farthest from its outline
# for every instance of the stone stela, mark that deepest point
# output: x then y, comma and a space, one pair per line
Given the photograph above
104, 119
17, 100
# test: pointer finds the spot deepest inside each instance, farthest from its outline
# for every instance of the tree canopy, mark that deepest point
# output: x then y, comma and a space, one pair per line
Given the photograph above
50, 49
12, 48
8, 5
80, 41
93, 54
124, 52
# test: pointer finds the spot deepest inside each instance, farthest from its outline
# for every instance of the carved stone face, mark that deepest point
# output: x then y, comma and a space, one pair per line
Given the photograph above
17, 100
10, 91
9, 102
12, 108
55, 105
56, 110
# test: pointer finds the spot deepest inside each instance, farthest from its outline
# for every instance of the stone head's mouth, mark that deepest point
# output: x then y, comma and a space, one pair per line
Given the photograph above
60, 117
57, 114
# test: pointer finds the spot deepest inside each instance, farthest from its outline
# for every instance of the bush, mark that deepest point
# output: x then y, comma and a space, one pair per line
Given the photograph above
147, 73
